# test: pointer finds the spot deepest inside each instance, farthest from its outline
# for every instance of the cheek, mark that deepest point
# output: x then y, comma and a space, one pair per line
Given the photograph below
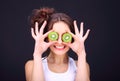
52, 47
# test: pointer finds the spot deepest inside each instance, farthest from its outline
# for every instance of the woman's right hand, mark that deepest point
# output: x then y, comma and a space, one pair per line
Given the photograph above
40, 45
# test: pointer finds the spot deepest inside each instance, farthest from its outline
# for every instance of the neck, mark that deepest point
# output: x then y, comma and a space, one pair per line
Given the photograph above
57, 59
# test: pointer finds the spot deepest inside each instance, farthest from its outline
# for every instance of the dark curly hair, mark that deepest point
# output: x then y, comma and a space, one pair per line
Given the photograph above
51, 16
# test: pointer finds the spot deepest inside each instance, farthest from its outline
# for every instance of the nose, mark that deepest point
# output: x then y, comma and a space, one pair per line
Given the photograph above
59, 40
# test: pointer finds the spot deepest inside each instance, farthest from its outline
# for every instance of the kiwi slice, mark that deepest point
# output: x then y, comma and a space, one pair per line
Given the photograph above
53, 36
67, 37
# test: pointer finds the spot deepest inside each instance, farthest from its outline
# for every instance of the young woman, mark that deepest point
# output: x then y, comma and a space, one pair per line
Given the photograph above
56, 65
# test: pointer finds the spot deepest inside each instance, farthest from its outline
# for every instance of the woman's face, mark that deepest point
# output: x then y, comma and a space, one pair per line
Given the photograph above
59, 48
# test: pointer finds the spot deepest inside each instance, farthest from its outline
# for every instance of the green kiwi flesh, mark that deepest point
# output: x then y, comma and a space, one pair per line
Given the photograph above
67, 37
53, 36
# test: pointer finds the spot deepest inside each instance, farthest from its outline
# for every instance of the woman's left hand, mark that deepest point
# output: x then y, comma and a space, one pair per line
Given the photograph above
78, 45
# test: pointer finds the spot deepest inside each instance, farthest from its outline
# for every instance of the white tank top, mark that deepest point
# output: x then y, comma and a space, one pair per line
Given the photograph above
69, 75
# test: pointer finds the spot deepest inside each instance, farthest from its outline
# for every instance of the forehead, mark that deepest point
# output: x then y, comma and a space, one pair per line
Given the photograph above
60, 27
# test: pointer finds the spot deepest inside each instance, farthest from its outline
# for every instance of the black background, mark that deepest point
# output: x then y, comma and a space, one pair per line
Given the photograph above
101, 16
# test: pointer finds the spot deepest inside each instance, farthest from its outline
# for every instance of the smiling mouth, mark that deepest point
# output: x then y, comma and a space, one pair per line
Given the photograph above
59, 47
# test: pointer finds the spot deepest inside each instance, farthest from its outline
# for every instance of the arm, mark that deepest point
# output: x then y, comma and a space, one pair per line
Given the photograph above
83, 72
34, 69
78, 47
37, 71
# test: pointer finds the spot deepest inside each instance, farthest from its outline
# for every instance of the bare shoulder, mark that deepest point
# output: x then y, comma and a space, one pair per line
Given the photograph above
28, 66
29, 63
28, 69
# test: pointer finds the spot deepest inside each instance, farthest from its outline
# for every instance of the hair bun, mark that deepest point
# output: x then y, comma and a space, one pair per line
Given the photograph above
46, 12
40, 15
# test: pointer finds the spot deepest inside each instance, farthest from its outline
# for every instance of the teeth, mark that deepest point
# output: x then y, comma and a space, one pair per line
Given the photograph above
60, 47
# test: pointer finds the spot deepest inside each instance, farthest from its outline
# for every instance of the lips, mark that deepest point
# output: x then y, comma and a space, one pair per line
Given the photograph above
59, 47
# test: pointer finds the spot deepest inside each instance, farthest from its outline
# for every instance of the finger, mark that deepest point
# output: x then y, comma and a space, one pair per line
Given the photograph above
86, 35
42, 27
70, 33
36, 27
46, 34
76, 28
81, 29
73, 35
32, 33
